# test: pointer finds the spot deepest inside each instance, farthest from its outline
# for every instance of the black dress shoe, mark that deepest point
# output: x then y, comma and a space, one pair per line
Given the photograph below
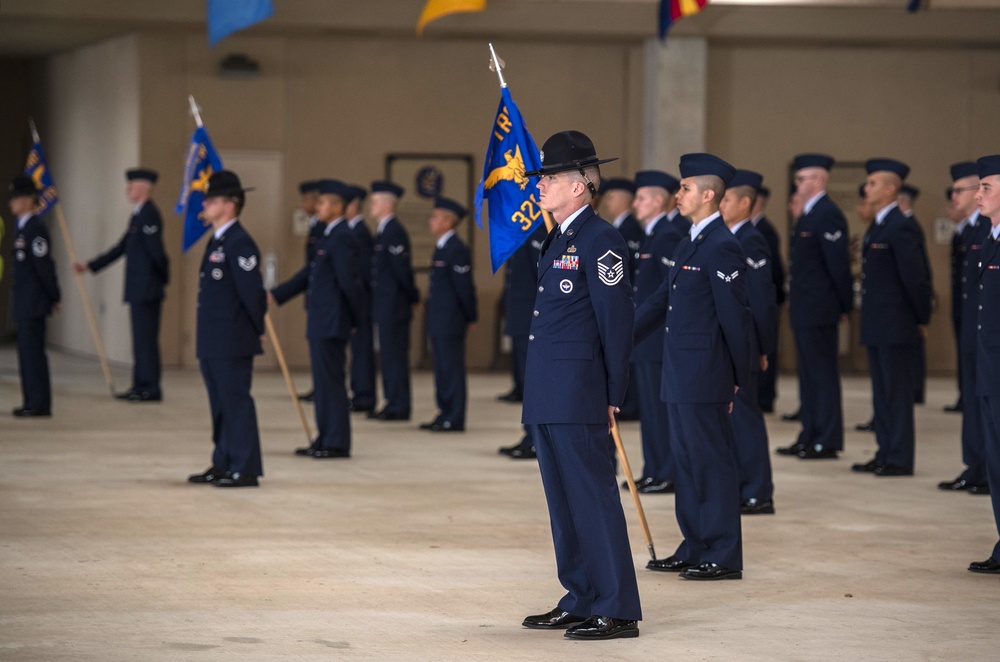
447, 426
958, 485
524, 453
124, 395
987, 567
428, 425
144, 396
24, 412
711, 571
639, 482
892, 470
657, 487
307, 450
210, 475
330, 454
868, 467
513, 396
597, 628
792, 417
790, 450
307, 397
391, 416
754, 506
669, 564
237, 480
980, 489
358, 407
866, 427
557, 619
957, 407
817, 453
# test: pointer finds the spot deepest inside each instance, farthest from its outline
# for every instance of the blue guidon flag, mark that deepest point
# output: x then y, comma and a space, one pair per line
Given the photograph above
513, 203
202, 160
37, 168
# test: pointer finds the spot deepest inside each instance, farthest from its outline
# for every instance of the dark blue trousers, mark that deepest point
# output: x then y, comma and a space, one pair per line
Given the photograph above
920, 371
146, 346
750, 442
653, 424
333, 416
707, 498
767, 382
892, 368
394, 351
956, 323
819, 387
518, 361
450, 389
593, 557
234, 416
973, 451
990, 407
363, 367
33, 364
630, 406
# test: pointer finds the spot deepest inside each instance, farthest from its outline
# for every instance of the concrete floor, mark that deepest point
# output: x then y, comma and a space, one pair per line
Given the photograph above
426, 547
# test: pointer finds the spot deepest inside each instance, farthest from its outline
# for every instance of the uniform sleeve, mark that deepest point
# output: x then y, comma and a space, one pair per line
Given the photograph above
837, 258
151, 235
611, 298
41, 262
460, 274
244, 263
401, 265
349, 276
911, 265
292, 287
729, 294
760, 293
109, 256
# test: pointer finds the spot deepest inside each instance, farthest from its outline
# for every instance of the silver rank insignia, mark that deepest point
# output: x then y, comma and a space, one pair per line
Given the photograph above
150, 229
610, 268
397, 250
730, 278
247, 263
756, 265
462, 268
834, 236
39, 247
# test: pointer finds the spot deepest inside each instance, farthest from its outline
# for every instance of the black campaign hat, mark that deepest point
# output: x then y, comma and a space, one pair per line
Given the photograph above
145, 174
21, 187
657, 178
450, 205
225, 183
565, 151
887, 165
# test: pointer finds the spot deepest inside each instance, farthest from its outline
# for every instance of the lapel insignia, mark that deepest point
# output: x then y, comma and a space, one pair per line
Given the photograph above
247, 263
537, 245
756, 265
634, 245
39, 247
150, 229
610, 268
19, 242
667, 261
834, 236
728, 278
571, 249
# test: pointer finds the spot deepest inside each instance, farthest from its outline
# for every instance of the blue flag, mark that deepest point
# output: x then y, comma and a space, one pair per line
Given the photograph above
514, 210
202, 160
37, 168
228, 16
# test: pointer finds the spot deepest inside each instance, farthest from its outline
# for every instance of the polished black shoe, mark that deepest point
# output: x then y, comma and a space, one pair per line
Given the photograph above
639, 482
792, 417
955, 408
987, 567
447, 426
980, 489
669, 564
866, 427
524, 453
868, 467
817, 453
307, 397
428, 425
390, 416
124, 395
237, 480
513, 396
24, 412
657, 487
710, 572
892, 470
210, 475
753, 506
789, 450
306, 450
958, 485
330, 454
598, 628
358, 407
557, 619
145, 396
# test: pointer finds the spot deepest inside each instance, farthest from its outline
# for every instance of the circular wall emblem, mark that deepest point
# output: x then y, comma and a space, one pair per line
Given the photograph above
566, 285
217, 274
430, 181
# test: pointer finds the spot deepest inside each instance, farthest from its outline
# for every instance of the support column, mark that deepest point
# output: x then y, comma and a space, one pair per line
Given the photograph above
675, 113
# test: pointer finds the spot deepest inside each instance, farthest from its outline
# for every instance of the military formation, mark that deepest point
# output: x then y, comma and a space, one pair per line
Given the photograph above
666, 310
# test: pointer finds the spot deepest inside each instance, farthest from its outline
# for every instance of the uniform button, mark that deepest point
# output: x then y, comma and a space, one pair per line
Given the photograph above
670, 307
980, 287
963, 279
531, 337
635, 288
541, 289
535, 313
979, 326
668, 329
980, 306
965, 296
675, 286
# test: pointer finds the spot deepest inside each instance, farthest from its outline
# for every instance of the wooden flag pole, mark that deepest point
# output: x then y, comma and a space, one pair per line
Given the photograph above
288, 376
632, 490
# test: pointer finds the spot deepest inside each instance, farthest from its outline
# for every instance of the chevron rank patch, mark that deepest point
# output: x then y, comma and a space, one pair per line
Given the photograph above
397, 250
758, 264
730, 278
151, 229
247, 263
39, 247
610, 268
833, 236
462, 268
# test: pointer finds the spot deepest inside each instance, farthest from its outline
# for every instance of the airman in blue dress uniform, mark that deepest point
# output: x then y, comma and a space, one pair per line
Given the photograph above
702, 307
768, 388
908, 194
308, 195
895, 309
335, 303
820, 296
147, 272
451, 309
393, 297
664, 229
363, 394
34, 295
576, 377
974, 233
749, 429
960, 219
231, 308
987, 323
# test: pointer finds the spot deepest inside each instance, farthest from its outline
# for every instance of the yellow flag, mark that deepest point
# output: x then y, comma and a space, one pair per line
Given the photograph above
435, 9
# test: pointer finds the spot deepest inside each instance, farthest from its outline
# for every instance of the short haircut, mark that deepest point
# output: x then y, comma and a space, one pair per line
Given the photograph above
591, 176
745, 192
712, 183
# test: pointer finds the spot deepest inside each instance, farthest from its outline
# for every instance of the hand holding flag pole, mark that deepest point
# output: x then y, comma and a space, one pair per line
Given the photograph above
71, 252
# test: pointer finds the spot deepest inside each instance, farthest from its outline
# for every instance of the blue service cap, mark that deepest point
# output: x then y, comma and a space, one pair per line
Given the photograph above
357, 193
964, 169
700, 164
448, 204
309, 186
334, 187
657, 178
617, 184
887, 165
385, 186
823, 161
764, 191
989, 165
145, 174
746, 178
910, 190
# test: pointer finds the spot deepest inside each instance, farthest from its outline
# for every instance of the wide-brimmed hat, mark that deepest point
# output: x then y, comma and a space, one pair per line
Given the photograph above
565, 151
225, 183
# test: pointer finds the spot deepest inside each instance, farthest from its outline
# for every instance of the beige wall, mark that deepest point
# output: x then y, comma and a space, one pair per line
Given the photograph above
928, 107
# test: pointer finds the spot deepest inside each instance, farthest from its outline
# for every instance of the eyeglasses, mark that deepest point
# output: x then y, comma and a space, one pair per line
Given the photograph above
802, 178
960, 189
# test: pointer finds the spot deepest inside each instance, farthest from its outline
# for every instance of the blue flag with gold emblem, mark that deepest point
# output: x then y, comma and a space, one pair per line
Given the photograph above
202, 160
228, 16
513, 199
37, 168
